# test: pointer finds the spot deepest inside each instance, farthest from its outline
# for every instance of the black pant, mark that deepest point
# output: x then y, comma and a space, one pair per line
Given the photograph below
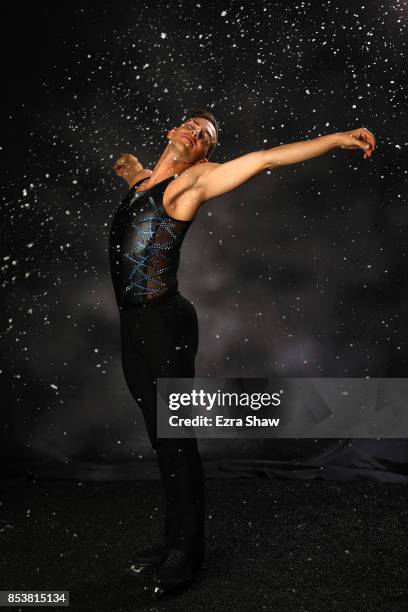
160, 339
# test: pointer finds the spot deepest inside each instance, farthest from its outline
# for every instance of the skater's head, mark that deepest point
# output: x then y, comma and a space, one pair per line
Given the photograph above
196, 138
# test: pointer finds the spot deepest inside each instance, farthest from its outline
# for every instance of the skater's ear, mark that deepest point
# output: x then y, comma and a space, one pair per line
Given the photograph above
170, 133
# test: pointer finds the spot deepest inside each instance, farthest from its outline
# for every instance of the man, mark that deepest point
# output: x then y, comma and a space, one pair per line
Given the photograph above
159, 330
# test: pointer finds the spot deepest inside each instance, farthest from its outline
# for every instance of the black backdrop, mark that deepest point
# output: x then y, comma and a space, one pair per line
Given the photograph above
301, 272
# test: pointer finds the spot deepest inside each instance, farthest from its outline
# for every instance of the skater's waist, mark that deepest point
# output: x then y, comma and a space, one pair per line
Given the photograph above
150, 302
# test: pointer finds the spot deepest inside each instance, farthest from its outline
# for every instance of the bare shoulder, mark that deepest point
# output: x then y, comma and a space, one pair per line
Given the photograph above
188, 179
180, 199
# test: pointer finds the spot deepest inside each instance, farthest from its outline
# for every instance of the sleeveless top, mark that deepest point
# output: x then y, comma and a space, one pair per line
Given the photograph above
144, 247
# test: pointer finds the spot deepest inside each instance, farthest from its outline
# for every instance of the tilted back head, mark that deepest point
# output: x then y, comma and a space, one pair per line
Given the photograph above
207, 114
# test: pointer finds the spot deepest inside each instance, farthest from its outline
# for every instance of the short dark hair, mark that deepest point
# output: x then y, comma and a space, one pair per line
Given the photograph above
207, 114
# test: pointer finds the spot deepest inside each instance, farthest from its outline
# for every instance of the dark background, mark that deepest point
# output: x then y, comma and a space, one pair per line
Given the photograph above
301, 272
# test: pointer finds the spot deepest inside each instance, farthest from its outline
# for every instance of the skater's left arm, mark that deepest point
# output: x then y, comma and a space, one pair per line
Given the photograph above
217, 179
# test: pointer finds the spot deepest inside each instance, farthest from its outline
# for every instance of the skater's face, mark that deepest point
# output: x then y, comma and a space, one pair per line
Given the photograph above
193, 139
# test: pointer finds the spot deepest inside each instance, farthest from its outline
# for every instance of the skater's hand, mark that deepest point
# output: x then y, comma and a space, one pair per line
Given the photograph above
125, 163
129, 168
360, 138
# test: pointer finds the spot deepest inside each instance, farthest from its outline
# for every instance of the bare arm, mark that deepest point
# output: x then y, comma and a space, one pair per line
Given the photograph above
128, 167
222, 178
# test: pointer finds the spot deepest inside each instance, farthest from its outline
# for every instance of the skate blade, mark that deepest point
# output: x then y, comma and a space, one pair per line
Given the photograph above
170, 589
136, 570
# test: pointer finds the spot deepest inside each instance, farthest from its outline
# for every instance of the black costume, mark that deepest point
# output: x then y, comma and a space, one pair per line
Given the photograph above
159, 336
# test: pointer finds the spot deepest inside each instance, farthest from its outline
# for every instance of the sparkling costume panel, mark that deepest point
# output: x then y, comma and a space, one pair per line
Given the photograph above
144, 247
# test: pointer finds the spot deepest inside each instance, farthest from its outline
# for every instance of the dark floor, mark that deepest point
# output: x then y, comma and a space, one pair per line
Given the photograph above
273, 544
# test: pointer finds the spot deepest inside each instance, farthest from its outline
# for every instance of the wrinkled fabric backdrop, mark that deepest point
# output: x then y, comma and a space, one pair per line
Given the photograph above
300, 272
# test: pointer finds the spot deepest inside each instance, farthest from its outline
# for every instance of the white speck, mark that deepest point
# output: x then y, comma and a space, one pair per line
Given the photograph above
163, 35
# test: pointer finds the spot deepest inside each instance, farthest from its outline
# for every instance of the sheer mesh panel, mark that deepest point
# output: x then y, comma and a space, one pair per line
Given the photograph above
145, 247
